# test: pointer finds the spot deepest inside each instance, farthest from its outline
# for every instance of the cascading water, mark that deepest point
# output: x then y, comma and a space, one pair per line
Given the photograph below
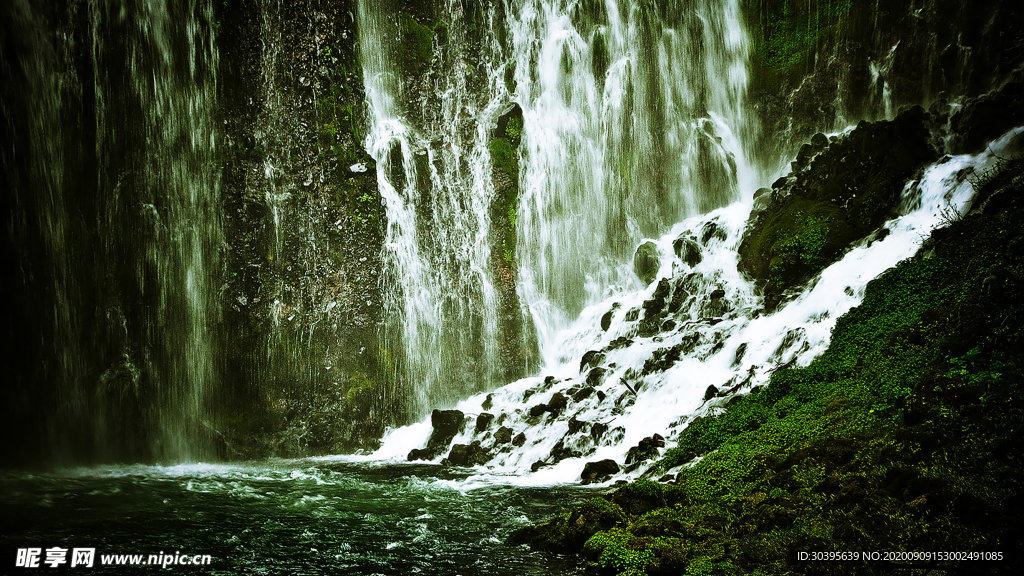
115, 161
598, 108
610, 387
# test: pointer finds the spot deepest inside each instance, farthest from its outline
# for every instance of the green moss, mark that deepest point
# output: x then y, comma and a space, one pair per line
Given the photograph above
417, 43
505, 159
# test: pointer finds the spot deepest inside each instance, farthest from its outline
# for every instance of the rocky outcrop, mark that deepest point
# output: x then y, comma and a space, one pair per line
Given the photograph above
843, 194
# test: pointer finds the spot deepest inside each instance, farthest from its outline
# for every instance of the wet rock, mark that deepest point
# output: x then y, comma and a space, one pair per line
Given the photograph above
467, 455
606, 319
557, 403
583, 394
632, 315
538, 465
740, 351
561, 452
710, 393
985, 118
575, 426
519, 440
596, 376
687, 250
538, 410
819, 141
645, 450
600, 471
483, 421
648, 327
488, 402
620, 342
657, 302
712, 230
664, 359
503, 435
446, 425
591, 358
598, 430
646, 262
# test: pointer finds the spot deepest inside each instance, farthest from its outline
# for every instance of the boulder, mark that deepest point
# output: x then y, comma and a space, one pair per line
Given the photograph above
687, 250
600, 471
844, 194
646, 262
446, 425
483, 421
503, 435
519, 440
645, 450
591, 358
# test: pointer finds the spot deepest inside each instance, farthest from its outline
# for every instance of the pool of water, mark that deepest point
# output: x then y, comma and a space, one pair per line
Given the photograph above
280, 517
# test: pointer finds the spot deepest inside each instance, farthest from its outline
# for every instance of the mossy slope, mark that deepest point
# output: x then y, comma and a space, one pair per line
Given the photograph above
900, 437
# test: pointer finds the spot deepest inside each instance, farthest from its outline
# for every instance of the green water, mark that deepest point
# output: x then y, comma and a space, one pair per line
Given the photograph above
280, 517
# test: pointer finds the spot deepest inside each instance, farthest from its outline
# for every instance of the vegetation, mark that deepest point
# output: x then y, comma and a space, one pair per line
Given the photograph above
902, 436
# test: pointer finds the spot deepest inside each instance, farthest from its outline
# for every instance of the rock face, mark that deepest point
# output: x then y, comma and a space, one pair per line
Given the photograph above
843, 195
816, 66
301, 297
446, 425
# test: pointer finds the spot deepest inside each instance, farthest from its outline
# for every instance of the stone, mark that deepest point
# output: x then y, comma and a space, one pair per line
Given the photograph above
446, 425
583, 394
503, 435
710, 393
591, 358
646, 262
645, 450
483, 421
687, 249
519, 440
596, 376
600, 471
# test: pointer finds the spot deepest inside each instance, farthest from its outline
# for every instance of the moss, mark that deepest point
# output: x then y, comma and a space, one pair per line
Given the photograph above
417, 44
840, 196
506, 204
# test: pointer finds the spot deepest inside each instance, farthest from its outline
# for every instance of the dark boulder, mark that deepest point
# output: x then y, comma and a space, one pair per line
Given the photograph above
986, 117
483, 421
845, 193
561, 452
446, 425
467, 455
645, 450
596, 376
687, 250
591, 358
557, 403
710, 393
646, 262
519, 440
583, 394
600, 471
503, 435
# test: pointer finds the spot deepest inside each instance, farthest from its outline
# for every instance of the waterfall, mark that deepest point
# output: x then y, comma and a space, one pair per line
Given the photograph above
114, 194
632, 118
